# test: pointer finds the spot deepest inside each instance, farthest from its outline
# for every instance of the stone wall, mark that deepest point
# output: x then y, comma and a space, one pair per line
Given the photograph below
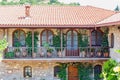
116, 33
14, 69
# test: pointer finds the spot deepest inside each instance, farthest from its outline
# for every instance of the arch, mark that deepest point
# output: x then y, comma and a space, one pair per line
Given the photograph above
47, 36
97, 71
56, 70
18, 36
27, 71
72, 43
96, 37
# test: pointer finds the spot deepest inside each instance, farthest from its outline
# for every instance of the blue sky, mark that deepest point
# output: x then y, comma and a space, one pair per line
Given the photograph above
106, 4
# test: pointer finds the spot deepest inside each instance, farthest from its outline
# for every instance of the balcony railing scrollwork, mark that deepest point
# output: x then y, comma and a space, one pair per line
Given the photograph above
55, 52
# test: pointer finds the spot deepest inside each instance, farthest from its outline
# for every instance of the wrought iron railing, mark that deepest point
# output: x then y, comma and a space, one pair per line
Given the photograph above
56, 52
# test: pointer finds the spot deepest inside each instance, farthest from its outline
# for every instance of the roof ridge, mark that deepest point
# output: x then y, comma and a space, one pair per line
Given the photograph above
105, 18
100, 8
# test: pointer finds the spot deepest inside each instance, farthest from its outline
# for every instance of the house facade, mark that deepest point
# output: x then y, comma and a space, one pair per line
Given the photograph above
45, 42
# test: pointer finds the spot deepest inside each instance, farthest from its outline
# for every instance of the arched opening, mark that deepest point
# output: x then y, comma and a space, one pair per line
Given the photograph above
72, 43
47, 37
27, 71
97, 72
96, 39
73, 73
18, 38
56, 71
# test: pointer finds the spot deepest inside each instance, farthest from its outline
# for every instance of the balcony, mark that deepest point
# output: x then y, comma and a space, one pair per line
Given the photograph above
52, 53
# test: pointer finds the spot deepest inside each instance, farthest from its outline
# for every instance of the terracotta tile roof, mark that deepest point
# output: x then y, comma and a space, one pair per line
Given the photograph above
112, 20
53, 15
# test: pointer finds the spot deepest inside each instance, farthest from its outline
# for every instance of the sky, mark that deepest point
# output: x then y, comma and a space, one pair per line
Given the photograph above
106, 4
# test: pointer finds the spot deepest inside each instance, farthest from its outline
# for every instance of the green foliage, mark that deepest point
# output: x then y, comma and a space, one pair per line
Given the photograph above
57, 41
62, 74
84, 71
82, 42
8, 3
29, 41
105, 43
117, 51
108, 70
74, 4
3, 44
117, 8
47, 46
9, 55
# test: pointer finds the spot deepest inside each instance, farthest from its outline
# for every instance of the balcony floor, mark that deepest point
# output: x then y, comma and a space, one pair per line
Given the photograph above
59, 59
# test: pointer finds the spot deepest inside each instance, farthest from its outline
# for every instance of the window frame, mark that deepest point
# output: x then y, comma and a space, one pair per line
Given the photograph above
47, 30
25, 69
13, 43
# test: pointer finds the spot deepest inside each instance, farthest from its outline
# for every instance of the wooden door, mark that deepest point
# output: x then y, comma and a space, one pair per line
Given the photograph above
72, 43
73, 73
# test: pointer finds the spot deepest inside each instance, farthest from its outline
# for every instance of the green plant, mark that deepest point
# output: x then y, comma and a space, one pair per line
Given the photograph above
17, 45
62, 74
105, 43
47, 46
57, 41
82, 42
9, 55
29, 41
84, 71
107, 70
50, 50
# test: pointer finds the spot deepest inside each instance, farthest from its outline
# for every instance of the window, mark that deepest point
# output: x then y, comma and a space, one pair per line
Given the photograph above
19, 37
112, 40
27, 71
72, 40
96, 38
97, 72
56, 71
47, 36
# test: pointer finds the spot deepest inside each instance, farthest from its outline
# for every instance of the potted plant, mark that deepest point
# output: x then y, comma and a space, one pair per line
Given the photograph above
57, 43
17, 49
24, 53
99, 53
29, 43
9, 55
105, 43
92, 52
49, 52
83, 44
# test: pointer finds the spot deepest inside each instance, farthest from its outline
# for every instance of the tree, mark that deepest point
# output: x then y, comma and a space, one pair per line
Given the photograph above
107, 71
75, 4
117, 8
3, 44
53, 1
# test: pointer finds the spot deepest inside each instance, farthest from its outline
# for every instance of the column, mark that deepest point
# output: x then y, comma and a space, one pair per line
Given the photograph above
61, 32
32, 41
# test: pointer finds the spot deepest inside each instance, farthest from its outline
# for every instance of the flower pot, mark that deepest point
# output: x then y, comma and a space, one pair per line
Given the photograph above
42, 54
106, 54
49, 54
99, 54
34, 55
24, 54
17, 54
59, 54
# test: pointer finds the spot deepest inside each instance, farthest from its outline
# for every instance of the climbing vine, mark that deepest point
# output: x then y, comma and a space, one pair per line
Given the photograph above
84, 70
